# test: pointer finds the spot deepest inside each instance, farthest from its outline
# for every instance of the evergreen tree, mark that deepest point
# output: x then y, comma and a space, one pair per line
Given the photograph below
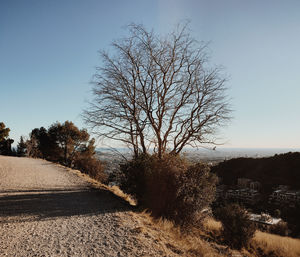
69, 140
5, 142
21, 147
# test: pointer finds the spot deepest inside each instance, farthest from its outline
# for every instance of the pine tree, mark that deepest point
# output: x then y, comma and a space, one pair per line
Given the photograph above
21, 147
5, 142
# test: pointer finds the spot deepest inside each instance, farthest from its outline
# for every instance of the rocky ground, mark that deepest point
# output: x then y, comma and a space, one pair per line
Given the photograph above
46, 210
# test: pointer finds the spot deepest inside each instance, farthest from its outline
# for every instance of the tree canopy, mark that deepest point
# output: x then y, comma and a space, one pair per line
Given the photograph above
67, 144
158, 93
69, 139
5, 142
4, 132
61, 142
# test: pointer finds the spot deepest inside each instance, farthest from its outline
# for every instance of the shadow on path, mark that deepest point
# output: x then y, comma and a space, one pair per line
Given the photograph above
31, 205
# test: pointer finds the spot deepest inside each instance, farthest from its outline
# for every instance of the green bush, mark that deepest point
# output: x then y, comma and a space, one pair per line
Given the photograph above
237, 228
169, 187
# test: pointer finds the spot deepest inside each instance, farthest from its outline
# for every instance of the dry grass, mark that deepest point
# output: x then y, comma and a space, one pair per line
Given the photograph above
117, 191
164, 232
172, 240
263, 243
97, 184
211, 225
276, 245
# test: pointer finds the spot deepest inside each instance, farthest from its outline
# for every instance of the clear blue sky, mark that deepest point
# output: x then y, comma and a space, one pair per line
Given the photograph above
48, 54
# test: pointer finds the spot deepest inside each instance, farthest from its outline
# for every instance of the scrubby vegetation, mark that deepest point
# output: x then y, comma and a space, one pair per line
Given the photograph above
68, 145
169, 187
280, 229
262, 243
237, 229
207, 240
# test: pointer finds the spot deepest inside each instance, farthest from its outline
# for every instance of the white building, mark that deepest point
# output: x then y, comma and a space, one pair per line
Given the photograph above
264, 220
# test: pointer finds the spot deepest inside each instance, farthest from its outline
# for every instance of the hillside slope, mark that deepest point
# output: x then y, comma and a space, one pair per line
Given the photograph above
47, 211
282, 169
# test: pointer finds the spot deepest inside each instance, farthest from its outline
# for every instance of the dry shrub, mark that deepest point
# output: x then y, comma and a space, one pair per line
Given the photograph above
117, 191
280, 229
265, 244
91, 166
169, 187
237, 229
170, 236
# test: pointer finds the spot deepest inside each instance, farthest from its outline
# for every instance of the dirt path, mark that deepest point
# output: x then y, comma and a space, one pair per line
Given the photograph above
48, 211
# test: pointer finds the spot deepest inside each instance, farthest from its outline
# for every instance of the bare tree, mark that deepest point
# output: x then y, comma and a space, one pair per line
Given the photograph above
158, 93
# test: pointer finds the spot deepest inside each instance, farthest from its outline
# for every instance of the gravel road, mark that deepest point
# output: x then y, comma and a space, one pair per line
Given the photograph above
46, 210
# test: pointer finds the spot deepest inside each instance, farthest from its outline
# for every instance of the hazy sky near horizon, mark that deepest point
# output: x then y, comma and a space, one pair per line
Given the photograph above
48, 55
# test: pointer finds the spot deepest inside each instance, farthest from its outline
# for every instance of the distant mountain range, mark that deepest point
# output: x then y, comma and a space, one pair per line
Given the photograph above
219, 154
